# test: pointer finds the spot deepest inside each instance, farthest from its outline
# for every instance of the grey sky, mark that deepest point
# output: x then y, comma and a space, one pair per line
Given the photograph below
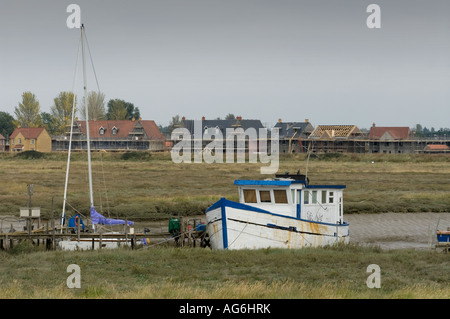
263, 59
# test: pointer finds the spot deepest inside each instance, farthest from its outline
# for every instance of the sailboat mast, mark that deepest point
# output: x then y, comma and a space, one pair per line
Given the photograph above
88, 142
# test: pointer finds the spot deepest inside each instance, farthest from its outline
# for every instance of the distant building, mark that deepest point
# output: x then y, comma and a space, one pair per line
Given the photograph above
436, 148
390, 133
113, 135
294, 136
337, 139
30, 139
390, 140
221, 129
2, 143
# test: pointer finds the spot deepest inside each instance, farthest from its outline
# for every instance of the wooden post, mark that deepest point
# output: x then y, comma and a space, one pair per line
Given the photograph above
182, 231
126, 231
78, 230
53, 228
100, 242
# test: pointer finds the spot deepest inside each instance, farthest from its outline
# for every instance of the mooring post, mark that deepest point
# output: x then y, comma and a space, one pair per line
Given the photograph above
78, 230
53, 227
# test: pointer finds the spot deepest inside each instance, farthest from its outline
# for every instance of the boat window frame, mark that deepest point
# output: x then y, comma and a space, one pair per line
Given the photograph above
324, 196
285, 194
314, 197
331, 197
244, 198
270, 196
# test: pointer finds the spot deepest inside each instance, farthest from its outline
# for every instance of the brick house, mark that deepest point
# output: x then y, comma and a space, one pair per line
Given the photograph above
2, 143
30, 139
114, 135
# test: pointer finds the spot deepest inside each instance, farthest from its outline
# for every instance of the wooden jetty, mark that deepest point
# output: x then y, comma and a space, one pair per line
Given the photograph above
49, 235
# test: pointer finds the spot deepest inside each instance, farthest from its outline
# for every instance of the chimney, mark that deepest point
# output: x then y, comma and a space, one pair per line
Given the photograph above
307, 120
203, 118
279, 121
373, 124
183, 118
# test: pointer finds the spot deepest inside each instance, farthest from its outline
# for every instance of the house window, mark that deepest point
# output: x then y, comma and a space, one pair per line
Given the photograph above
114, 130
20, 141
102, 131
264, 196
32, 141
280, 196
249, 195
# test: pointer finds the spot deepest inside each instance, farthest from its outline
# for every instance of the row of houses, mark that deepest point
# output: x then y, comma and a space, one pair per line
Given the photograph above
294, 137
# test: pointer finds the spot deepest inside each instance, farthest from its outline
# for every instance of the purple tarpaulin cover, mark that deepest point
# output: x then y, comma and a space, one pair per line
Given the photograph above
100, 219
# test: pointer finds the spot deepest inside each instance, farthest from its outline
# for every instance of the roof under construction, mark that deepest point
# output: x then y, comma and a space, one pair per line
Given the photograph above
335, 131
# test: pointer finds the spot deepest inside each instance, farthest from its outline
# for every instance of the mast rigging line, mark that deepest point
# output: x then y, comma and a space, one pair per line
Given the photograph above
82, 41
63, 214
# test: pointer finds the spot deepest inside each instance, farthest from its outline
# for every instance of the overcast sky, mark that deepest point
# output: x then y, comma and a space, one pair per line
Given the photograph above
260, 59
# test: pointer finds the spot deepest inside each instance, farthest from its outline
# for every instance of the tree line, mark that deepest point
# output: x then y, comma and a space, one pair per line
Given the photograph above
28, 112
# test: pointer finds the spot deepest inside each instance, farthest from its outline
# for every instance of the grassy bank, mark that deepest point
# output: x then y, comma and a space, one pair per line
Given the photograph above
144, 185
334, 272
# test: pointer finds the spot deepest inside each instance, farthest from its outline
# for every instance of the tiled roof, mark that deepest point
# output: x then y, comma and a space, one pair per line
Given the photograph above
28, 132
2, 137
396, 133
224, 124
124, 128
437, 147
290, 129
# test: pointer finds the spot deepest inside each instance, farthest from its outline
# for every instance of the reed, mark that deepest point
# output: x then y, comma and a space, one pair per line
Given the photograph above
152, 186
180, 273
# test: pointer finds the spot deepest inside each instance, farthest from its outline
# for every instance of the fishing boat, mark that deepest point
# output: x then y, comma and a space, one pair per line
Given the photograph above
283, 212
75, 242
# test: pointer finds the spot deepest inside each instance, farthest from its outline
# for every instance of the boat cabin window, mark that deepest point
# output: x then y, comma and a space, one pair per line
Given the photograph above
264, 196
331, 197
250, 195
324, 197
280, 196
306, 199
314, 197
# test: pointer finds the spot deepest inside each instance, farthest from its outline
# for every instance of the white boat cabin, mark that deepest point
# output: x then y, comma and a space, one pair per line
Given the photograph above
295, 198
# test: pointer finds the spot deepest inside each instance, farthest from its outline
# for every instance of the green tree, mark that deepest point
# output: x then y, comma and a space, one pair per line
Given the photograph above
122, 110
49, 122
96, 106
116, 110
230, 117
174, 123
28, 112
61, 111
6, 124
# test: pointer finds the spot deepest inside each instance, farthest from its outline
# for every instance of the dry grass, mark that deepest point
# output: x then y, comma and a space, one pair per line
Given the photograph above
176, 273
155, 187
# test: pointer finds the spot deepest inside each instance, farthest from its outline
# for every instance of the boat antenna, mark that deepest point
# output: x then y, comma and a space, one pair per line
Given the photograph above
307, 160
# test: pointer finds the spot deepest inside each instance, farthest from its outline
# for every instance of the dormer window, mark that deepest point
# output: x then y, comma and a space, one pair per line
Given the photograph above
114, 130
102, 131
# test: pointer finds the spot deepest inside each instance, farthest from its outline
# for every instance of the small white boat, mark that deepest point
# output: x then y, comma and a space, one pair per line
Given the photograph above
285, 212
